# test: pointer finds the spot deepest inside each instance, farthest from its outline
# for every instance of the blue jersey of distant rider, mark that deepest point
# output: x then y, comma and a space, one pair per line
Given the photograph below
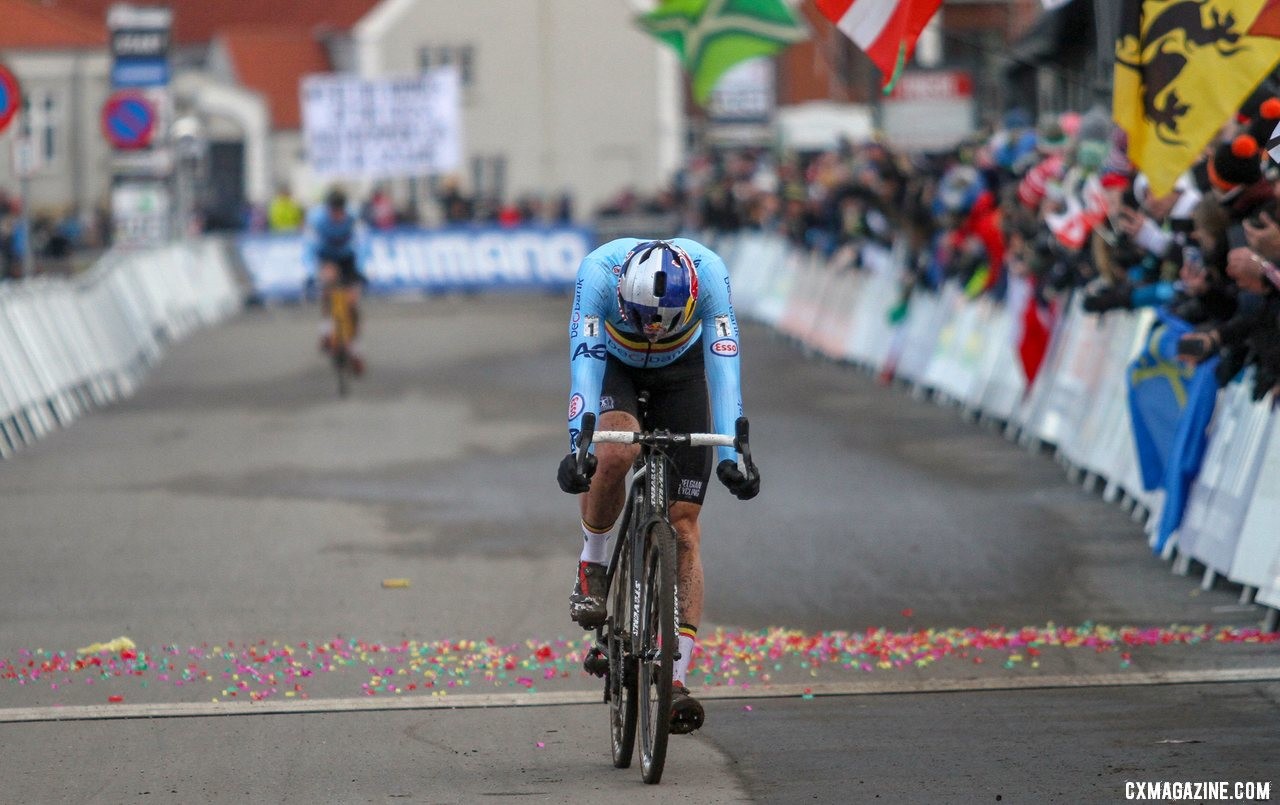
597, 328
334, 240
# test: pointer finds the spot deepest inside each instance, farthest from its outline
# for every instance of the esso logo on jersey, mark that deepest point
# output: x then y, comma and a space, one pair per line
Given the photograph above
725, 347
575, 406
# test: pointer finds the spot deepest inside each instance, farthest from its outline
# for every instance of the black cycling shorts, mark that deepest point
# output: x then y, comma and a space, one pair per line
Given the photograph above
677, 402
348, 274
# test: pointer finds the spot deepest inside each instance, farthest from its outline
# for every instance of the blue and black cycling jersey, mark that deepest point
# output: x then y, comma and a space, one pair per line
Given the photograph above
598, 330
341, 241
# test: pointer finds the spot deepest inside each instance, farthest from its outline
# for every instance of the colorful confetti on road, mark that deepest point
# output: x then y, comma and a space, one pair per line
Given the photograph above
263, 670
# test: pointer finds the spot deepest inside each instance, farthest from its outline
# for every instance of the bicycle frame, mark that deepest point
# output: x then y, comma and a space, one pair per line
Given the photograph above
343, 333
645, 553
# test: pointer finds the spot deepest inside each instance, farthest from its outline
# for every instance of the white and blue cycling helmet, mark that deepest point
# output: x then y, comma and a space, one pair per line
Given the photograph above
658, 289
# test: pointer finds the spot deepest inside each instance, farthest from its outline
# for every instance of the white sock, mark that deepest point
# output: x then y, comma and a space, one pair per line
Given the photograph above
595, 545
688, 636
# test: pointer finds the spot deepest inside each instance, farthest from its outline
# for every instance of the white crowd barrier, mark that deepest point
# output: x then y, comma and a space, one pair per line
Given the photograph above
963, 352
67, 346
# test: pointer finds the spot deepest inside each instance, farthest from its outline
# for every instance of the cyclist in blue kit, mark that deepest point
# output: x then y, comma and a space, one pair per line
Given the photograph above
652, 316
336, 248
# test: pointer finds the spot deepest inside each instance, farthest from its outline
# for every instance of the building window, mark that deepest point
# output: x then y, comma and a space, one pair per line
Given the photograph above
463, 56
489, 177
44, 116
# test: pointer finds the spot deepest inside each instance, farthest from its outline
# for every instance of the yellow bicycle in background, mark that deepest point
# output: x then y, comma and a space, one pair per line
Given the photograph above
341, 300
344, 330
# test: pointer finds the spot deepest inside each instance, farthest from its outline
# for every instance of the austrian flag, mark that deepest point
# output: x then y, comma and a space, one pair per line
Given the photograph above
886, 29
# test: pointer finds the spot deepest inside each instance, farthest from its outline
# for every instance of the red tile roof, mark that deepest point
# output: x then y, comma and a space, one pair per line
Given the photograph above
198, 21
31, 26
272, 61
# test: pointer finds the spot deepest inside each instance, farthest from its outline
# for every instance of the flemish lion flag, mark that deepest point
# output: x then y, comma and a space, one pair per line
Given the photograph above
713, 35
886, 29
1182, 70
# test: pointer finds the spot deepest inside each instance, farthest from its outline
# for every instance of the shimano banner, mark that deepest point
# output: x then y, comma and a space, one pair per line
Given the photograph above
430, 260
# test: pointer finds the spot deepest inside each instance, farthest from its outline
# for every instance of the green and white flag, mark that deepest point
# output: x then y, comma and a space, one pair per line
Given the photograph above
713, 35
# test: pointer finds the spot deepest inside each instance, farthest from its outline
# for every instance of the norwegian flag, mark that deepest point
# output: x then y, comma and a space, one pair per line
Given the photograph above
886, 29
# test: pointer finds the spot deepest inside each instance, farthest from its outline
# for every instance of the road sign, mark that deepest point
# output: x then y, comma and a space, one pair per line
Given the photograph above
128, 121
10, 96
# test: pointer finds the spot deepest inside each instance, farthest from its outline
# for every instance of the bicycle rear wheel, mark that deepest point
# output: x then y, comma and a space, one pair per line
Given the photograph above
658, 648
622, 665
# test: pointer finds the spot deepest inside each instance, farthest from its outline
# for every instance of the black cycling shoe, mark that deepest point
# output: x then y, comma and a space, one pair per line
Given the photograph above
586, 603
686, 713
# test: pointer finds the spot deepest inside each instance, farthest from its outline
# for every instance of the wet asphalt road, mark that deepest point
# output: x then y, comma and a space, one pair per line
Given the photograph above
235, 498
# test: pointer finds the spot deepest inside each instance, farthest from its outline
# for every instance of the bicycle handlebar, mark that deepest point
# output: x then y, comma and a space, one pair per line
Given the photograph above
663, 439
589, 435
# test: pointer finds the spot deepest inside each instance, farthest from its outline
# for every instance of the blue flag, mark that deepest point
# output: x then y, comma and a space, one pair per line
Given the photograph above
1170, 405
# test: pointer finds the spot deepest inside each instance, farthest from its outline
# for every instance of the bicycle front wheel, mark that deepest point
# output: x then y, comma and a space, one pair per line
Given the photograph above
342, 367
622, 665
657, 649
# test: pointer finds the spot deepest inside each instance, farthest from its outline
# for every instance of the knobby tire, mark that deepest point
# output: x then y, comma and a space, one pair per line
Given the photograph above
657, 656
622, 670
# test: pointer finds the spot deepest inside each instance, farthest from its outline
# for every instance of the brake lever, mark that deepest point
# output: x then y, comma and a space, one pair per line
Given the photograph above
742, 444
584, 440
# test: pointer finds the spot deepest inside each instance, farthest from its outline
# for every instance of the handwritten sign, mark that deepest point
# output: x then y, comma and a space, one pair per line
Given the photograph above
385, 128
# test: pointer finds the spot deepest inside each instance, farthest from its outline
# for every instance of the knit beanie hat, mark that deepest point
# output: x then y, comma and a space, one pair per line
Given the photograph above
1096, 125
1235, 162
1264, 121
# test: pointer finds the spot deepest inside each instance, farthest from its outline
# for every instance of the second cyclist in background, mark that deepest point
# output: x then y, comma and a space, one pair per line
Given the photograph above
336, 247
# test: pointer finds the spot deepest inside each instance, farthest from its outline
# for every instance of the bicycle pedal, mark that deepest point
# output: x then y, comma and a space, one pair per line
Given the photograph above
596, 663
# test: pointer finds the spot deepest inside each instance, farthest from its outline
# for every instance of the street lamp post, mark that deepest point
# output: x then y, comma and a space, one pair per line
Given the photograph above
24, 189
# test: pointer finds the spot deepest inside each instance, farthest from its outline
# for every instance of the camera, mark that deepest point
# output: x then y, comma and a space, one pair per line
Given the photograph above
1190, 347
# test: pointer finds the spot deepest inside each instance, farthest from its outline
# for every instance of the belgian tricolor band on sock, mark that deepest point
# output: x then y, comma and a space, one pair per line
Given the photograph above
689, 630
590, 529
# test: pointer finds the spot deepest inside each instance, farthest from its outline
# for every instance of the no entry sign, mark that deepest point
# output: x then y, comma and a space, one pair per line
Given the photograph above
128, 121
10, 96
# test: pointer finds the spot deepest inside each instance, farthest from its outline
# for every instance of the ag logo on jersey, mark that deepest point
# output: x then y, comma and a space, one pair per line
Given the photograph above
576, 404
725, 347
599, 351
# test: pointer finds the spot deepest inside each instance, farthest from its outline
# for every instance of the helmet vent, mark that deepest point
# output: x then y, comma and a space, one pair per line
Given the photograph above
659, 283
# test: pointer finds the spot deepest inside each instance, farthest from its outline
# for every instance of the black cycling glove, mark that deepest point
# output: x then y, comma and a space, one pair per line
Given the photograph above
743, 487
570, 479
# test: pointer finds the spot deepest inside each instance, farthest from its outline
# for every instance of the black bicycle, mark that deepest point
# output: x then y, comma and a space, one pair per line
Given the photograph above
636, 647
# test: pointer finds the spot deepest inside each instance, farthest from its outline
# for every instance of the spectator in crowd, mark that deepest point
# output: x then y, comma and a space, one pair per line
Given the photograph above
285, 214
379, 210
457, 208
